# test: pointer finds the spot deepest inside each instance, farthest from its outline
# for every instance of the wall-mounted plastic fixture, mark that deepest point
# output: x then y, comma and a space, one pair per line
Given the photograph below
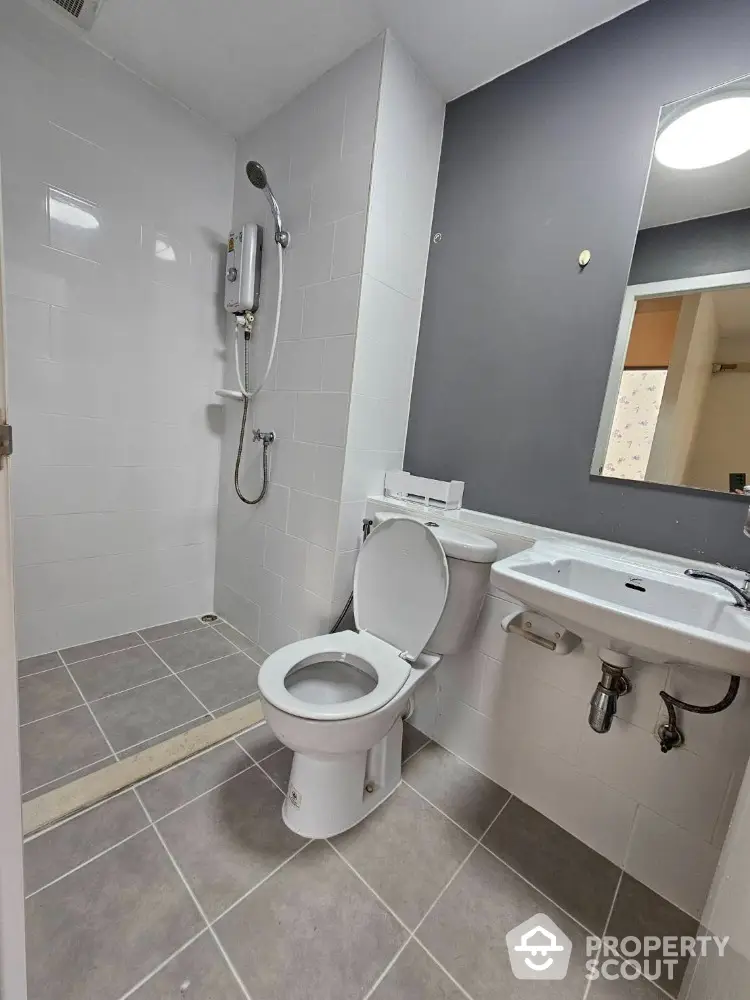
431, 492
542, 631
230, 394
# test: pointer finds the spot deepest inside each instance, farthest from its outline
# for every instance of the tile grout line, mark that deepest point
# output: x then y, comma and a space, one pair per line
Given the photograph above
36, 673
606, 926
164, 964
91, 712
438, 809
194, 898
414, 753
68, 774
175, 674
88, 861
431, 907
97, 656
69, 819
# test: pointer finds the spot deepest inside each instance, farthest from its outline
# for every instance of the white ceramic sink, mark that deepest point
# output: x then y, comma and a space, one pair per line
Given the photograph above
647, 611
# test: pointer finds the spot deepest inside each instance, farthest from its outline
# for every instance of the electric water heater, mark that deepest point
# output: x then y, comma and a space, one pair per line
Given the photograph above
242, 275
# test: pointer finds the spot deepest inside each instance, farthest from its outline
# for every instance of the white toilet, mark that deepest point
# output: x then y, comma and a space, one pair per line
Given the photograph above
337, 700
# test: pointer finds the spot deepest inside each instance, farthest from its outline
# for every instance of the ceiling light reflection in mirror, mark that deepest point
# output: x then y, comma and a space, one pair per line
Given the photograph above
711, 133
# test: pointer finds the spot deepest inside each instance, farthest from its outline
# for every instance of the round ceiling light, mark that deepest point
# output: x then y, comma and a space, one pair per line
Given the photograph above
704, 136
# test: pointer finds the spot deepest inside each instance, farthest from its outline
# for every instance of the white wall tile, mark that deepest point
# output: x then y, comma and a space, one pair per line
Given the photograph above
322, 418
285, 555
329, 472
114, 452
313, 518
331, 308
319, 571
338, 364
349, 245
676, 864
300, 365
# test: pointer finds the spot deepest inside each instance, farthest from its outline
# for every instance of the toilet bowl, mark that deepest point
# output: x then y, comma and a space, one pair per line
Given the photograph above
337, 700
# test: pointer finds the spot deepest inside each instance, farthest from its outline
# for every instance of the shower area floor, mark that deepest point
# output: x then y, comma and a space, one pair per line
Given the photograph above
88, 706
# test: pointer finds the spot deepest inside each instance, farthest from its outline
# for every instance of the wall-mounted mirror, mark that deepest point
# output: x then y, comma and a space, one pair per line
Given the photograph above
677, 405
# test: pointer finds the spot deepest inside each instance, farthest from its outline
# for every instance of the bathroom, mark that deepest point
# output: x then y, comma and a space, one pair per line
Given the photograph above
478, 234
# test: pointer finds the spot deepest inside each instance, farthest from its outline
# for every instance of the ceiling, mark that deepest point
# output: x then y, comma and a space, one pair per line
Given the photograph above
237, 61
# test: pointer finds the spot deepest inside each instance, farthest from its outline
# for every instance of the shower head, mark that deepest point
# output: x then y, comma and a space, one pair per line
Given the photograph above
257, 176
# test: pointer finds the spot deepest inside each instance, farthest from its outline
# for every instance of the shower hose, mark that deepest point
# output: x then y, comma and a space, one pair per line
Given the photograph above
248, 394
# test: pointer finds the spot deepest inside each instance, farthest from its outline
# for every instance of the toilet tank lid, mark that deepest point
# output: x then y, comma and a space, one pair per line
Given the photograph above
457, 543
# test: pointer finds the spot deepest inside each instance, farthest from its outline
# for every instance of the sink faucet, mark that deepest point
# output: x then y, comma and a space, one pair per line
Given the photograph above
741, 596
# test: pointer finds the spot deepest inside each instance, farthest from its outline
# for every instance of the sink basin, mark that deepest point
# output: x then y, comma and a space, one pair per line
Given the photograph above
646, 611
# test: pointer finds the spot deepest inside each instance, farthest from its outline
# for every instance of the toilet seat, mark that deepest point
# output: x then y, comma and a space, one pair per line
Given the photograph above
357, 651
400, 589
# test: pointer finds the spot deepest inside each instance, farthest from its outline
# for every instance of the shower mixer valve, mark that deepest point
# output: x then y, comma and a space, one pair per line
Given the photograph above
266, 437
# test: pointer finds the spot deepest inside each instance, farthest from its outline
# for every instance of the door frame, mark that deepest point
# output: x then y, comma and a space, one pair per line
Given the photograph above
12, 930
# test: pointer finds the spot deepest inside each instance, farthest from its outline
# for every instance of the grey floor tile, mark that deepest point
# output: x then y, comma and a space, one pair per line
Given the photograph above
223, 681
174, 788
623, 989
229, 839
231, 633
278, 767
406, 851
311, 932
33, 664
75, 653
259, 742
641, 912
145, 712
171, 628
53, 854
96, 933
412, 741
46, 694
193, 648
466, 933
416, 977
56, 746
197, 973
113, 672
464, 794
578, 879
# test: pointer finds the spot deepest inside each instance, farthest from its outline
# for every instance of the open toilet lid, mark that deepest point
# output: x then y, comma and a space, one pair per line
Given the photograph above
401, 584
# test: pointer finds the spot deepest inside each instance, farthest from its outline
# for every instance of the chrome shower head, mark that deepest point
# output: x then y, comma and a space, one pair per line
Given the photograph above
257, 176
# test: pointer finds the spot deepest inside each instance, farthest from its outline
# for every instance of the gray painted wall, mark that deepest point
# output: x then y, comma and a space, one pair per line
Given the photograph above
515, 343
712, 245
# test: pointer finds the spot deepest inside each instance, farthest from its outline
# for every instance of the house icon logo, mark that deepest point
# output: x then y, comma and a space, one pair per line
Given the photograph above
538, 949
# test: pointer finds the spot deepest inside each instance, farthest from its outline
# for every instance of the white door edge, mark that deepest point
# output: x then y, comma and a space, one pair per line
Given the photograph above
12, 933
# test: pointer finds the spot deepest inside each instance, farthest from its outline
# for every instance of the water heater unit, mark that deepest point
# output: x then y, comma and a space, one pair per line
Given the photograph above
242, 275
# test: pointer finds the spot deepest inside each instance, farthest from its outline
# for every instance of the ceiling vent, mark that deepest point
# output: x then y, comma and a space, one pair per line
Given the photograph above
82, 12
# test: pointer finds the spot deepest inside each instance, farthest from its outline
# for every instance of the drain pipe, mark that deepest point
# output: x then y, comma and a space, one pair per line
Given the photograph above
613, 685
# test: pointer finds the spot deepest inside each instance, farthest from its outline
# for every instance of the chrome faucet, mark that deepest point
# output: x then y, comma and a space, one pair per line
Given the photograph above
741, 596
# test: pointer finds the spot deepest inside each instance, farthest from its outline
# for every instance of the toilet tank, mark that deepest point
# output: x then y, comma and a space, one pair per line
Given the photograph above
469, 559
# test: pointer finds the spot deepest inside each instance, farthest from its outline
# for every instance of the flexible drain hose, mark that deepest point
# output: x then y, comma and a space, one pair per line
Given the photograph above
670, 735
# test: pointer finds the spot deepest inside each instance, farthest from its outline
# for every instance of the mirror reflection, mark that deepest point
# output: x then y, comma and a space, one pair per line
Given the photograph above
675, 409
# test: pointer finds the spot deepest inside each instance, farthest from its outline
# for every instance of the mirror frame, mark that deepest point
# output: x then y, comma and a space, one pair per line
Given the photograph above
634, 294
